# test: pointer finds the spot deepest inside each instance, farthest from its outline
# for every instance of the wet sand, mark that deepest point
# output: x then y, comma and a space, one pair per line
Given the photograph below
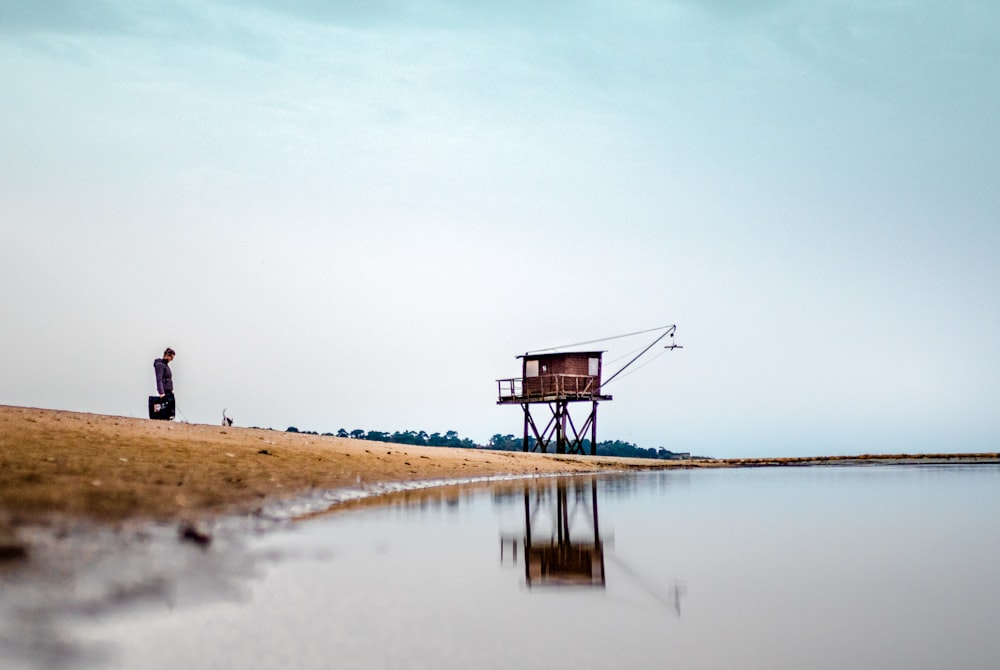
62, 468
58, 466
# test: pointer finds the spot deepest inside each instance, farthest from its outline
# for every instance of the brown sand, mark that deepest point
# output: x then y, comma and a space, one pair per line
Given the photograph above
56, 464
109, 469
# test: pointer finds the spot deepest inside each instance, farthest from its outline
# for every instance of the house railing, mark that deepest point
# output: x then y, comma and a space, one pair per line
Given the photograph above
547, 386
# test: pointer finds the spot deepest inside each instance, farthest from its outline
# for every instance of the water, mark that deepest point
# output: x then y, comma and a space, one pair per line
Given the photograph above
873, 567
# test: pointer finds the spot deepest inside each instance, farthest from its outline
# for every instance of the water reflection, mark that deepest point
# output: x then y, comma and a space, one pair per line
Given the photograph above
561, 543
821, 568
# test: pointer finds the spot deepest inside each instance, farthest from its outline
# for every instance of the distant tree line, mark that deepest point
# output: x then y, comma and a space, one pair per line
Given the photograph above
418, 438
498, 442
606, 448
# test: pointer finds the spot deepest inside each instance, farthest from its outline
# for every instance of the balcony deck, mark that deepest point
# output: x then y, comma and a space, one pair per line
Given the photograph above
549, 388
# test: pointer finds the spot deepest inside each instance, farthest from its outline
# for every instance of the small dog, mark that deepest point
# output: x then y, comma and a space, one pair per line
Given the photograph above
226, 421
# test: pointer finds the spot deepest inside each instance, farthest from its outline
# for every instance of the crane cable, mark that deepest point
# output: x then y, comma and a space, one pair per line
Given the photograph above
640, 367
623, 356
667, 330
670, 331
603, 339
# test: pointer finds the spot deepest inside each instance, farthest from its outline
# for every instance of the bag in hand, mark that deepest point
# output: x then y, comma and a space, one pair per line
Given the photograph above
161, 409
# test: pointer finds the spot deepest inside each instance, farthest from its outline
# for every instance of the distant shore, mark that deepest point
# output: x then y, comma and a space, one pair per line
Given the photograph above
59, 465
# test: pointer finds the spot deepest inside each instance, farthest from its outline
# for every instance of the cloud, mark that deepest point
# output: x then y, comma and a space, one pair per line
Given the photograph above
65, 29
63, 16
442, 13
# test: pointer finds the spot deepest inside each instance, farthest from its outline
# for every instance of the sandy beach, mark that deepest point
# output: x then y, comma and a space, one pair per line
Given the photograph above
57, 464
65, 467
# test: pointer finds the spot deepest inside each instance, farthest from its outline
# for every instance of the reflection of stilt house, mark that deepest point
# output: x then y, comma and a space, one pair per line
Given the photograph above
552, 555
556, 380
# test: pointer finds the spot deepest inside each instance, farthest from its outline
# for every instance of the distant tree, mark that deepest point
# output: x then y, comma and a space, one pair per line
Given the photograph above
618, 448
625, 449
498, 441
407, 437
505, 443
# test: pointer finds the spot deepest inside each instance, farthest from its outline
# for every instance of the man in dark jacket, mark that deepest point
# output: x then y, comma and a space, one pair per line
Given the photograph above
165, 383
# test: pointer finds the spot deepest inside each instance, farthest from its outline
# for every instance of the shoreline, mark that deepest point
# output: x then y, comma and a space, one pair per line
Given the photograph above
65, 469
110, 468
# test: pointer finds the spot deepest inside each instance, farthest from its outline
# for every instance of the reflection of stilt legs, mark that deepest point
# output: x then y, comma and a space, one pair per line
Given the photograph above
552, 549
558, 559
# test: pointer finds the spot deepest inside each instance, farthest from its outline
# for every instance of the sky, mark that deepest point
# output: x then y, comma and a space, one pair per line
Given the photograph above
358, 214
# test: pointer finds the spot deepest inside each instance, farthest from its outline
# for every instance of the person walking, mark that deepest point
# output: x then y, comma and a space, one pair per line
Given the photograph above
164, 386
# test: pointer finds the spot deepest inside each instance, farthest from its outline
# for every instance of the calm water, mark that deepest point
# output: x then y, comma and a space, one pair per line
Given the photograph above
878, 567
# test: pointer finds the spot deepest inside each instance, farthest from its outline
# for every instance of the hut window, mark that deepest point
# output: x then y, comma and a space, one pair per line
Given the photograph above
593, 366
531, 368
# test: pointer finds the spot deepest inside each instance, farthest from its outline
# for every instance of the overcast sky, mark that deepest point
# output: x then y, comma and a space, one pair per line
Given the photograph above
357, 214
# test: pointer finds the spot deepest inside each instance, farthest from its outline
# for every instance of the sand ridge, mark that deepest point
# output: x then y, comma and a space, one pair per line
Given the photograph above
109, 468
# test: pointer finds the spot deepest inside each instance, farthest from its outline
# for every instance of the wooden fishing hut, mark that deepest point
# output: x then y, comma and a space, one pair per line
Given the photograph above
557, 379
